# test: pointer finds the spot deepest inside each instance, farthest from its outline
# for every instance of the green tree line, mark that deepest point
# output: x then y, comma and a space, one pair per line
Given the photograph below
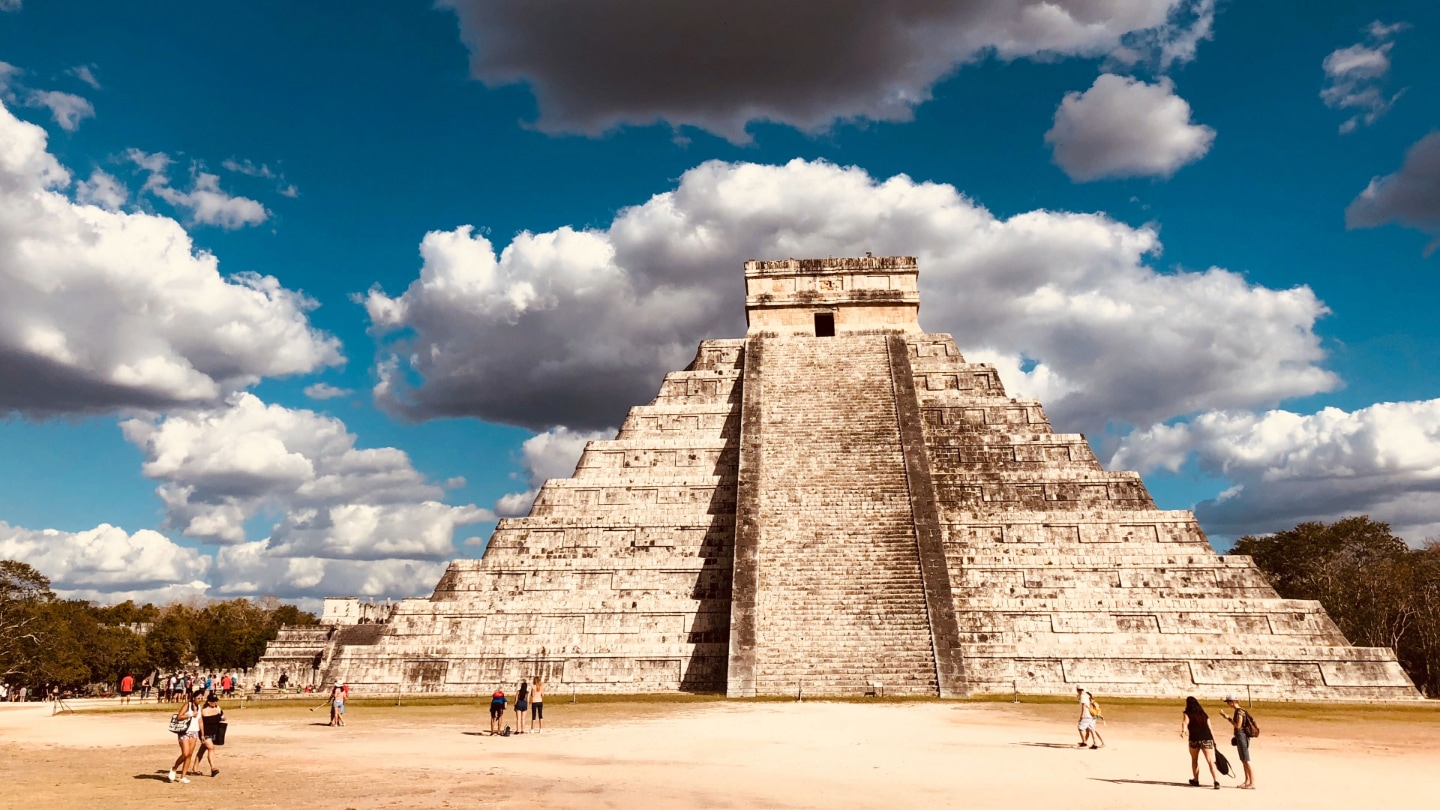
71, 643
1379, 591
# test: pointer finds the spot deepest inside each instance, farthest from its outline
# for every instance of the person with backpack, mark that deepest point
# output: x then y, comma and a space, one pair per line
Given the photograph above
1245, 728
1086, 726
1099, 717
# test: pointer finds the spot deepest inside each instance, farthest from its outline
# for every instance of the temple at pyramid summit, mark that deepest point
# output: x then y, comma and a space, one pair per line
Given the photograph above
838, 503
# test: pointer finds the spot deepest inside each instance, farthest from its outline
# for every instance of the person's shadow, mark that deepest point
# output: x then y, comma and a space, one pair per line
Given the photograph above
1142, 782
158, 776
1066, 746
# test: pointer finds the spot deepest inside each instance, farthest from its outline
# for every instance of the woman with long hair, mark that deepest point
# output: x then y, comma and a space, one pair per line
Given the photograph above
537, 706
522, 706
189, 738
1195, 726
211, 716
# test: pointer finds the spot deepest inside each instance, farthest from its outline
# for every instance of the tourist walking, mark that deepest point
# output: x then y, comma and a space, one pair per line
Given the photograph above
497, 710
212, 717
1086, 726
537, 706
1195, 726
189, 737
127, 685
1243, 725
145, 687
522, 706
337, 705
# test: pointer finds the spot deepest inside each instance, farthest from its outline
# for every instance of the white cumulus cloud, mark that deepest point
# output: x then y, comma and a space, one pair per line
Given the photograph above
1355, 75
220, 468
102, 189
1383, 460
571, 327
254, 569
552, 454
105, 560
85, 74
322, 390
206, 202
101, 310
67, 109
1124, 127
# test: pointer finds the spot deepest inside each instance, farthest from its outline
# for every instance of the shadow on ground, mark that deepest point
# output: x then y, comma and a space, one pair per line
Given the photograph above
1145, 782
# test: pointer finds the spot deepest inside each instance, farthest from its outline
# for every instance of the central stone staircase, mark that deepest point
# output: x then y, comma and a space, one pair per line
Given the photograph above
841, 601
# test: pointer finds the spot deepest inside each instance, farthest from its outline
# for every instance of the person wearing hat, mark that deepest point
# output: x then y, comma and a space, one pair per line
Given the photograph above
337, 703
1086, 726
1241, 740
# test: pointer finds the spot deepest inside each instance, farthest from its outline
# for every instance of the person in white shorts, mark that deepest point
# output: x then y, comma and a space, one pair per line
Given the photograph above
1086, 725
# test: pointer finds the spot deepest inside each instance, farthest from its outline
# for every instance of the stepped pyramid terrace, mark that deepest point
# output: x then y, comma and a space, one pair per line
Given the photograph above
834, 501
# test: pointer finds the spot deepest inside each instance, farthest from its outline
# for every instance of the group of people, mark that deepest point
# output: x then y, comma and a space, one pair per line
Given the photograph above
13, 694
529, 700
200, 728
1194, 727
177, 686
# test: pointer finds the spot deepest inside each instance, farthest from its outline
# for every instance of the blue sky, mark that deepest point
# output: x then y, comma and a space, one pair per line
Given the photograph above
385, 126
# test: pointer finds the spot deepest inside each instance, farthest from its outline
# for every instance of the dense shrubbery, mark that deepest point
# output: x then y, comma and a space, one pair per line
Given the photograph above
1379, 591
70, 643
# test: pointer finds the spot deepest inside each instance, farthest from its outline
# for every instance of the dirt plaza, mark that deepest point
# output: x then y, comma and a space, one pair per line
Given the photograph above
715, 753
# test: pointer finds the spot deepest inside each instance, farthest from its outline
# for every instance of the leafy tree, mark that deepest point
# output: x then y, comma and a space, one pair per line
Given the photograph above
24, 592
171, 643
1379, 591
72, 643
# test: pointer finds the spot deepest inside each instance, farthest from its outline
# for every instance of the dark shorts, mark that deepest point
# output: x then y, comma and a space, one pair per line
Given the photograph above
522, 706
125, 692
1242, 745
537, 711
497, 711
1198, 745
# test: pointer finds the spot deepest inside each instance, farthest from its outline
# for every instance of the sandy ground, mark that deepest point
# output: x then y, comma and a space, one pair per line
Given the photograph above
717, 754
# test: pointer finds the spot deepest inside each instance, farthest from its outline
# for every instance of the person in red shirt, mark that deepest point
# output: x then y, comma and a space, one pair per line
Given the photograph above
127, 685
497, 710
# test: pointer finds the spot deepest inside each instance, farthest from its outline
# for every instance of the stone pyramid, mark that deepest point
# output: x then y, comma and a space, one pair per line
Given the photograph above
836, 502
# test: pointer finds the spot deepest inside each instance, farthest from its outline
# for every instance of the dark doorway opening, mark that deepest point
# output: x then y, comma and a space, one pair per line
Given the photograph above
824, 324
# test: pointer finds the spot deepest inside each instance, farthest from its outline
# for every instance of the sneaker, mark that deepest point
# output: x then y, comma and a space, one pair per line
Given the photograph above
171, 777
185, 781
